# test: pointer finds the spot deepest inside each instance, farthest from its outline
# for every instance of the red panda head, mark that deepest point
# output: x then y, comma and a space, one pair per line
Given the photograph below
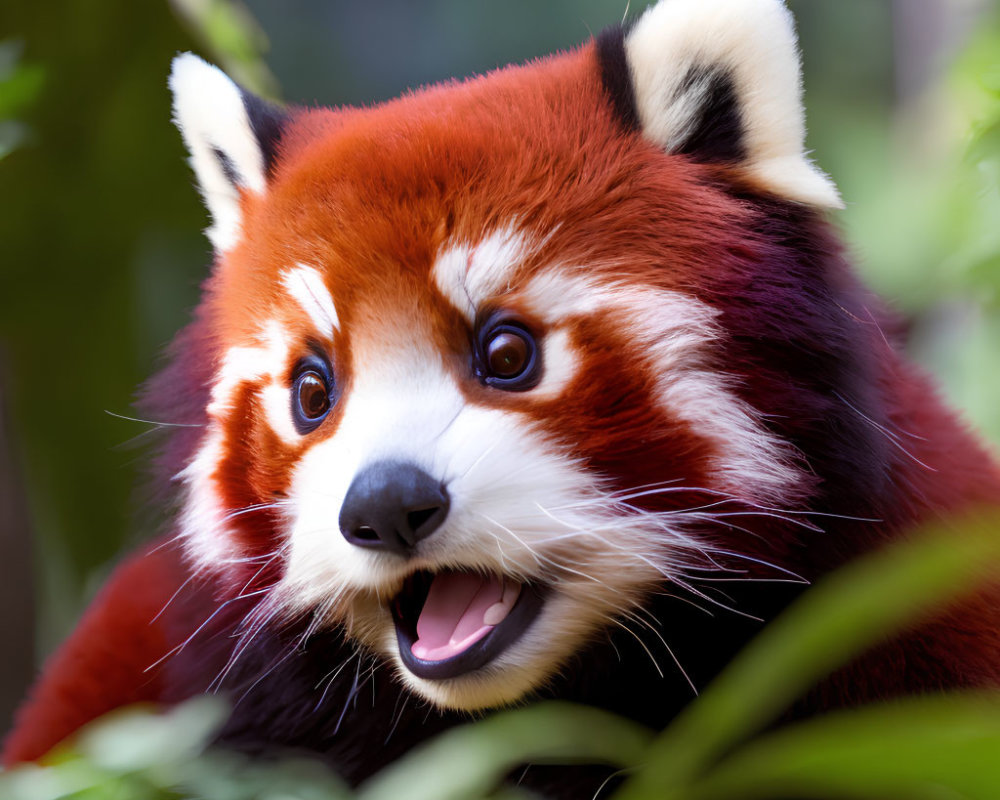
470, 361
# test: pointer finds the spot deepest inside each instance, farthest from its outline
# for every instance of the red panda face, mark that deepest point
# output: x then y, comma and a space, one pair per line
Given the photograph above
469, 393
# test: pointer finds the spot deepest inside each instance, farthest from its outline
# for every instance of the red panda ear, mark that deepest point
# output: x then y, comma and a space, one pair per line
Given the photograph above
719, 80
232, 136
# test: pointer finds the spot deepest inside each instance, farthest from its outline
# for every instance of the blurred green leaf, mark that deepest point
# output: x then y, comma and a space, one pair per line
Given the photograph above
839, 618
920, 749
467, 762
138, 738
225, 775
20, 86
136, 753
923, 749
233, 38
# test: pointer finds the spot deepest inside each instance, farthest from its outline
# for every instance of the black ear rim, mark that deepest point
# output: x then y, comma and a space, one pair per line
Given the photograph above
616, 75
719, 137
268, 122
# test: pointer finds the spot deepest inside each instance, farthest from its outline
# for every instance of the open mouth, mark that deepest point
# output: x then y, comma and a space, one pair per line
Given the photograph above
449, 623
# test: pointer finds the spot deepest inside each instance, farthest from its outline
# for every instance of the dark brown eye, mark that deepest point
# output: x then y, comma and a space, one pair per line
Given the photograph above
313, 392
507, 355
314, 399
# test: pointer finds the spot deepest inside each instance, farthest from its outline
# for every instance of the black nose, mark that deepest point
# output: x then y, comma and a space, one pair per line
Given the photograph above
392, 505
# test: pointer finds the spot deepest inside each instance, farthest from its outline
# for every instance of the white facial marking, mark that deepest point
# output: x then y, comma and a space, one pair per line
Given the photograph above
468, 275
750, 462
671, 332
396, 410
519, 507
305, 284
247, 363
751, 41
559, 365
203, 520
276, 402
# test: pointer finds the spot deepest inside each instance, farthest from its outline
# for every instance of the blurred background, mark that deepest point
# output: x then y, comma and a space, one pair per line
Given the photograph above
101, 253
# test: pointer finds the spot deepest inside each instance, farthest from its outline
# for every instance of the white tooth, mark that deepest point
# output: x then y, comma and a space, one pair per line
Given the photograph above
496, 613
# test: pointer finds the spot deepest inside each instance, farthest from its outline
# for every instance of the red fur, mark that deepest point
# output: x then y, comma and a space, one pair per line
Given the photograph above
103, 665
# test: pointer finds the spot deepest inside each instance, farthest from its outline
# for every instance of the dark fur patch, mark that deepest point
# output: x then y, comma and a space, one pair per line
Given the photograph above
228, 168
267, 121
808, 366
616, 77
321, 694
718, 134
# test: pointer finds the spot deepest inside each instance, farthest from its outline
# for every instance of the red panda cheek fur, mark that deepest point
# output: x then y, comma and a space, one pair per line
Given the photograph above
714, 380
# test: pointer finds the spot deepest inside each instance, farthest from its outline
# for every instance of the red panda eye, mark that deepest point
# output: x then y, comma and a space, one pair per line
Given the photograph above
507, 355
313, 393
314, 399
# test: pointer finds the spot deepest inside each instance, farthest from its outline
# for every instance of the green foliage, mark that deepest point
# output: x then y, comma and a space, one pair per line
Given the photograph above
136, 754
232, 37
929, 748
470, 761
20, 85
840, 617
923, 216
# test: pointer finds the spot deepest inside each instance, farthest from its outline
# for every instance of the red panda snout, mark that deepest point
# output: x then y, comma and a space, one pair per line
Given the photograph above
391, 506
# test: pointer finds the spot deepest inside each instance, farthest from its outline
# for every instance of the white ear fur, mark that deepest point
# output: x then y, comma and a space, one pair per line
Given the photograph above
226, 156
753, 43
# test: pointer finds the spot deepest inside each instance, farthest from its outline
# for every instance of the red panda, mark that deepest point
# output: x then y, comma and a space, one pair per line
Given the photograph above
489, 386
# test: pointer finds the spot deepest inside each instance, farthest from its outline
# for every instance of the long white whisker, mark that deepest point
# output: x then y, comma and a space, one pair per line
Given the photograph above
182, 645
153, 422
667, 647
539, 558
685, 585
892, 437
239, 512
332, 676
759, 561
173, 597
642, 644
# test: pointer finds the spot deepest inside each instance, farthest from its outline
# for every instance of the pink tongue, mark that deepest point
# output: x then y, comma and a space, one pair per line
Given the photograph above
454, 616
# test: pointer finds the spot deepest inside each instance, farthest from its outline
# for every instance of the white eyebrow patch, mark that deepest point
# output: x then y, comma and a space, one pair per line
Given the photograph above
470, 274
306, 286
265, 357
560, 365
204, 520
673, 333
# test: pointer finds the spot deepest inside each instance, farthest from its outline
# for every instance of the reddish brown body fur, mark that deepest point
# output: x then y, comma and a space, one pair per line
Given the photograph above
378, 192
103, 665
